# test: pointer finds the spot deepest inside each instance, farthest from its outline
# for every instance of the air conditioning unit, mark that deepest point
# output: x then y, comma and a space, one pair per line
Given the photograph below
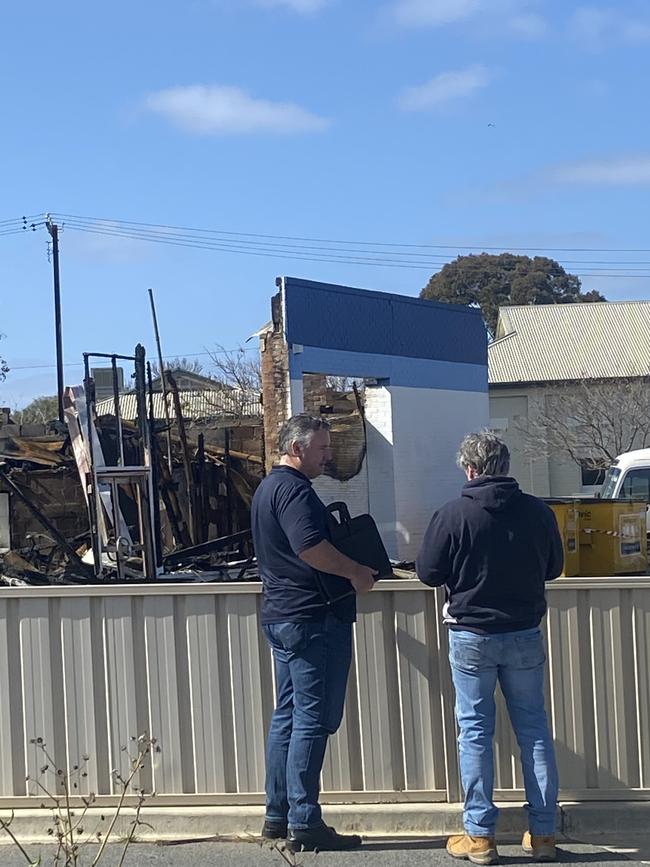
103, 377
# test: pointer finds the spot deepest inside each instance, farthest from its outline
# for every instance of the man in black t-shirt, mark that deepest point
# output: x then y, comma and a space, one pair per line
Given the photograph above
308, 608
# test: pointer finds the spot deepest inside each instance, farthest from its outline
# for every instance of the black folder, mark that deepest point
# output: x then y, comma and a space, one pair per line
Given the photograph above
359, 539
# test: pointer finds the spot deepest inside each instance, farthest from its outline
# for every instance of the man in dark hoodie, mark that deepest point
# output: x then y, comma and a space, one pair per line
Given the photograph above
494, 548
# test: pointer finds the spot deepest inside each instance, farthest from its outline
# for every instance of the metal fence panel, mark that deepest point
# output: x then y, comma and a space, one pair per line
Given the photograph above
87, 669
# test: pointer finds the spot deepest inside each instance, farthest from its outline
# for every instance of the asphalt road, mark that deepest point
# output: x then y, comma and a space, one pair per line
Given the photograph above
416, 852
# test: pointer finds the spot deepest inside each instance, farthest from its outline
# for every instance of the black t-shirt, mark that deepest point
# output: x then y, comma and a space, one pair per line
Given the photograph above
287, 518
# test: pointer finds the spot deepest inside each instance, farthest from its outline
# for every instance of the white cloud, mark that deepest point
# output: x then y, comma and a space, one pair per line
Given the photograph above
516, 17
445, 88
222, 110
611, 171
596, 26
304, 7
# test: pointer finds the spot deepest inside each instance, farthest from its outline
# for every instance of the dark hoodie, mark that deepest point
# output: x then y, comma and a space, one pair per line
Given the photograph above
493, 547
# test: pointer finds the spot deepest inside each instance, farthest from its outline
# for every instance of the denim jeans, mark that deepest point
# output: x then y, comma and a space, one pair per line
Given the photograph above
516, 660
312, 661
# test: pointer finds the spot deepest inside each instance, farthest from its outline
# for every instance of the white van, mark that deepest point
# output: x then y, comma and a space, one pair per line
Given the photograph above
629, 477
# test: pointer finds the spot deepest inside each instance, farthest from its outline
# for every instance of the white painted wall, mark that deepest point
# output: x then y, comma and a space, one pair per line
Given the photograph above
381, 474
428, 426
410, 467
354, 492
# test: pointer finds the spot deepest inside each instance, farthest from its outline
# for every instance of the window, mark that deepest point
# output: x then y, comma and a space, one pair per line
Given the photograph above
636, 484
591, 476
611, 478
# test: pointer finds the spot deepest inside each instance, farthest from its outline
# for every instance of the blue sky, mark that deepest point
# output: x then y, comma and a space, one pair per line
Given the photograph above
487, 123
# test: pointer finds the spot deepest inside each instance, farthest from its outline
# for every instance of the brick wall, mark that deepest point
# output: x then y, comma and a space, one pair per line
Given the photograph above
275, 389
314, 391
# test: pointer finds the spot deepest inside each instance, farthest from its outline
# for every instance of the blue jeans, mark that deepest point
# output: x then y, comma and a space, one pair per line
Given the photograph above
312, 661
516, 660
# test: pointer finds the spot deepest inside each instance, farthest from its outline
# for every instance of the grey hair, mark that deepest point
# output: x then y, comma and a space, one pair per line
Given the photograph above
485, 453
299, 429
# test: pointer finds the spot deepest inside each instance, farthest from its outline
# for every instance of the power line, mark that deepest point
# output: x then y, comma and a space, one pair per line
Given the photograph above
333, 256
165, 358
175, 236
365, 253
178, 236
303, 239
20, 230
372, 243
20, 219
261, 245
278, 254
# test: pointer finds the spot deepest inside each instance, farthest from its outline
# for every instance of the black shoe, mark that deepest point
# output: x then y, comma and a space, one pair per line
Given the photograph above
274, 830
322, 839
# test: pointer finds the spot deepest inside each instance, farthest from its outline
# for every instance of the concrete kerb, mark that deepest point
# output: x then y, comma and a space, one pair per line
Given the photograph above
424, 819
605, 817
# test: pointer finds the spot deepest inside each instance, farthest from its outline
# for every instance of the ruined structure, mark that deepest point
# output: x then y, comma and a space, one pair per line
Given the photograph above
423, 367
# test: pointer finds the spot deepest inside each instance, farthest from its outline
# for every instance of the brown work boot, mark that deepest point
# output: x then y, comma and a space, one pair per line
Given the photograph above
479, 850
541, 847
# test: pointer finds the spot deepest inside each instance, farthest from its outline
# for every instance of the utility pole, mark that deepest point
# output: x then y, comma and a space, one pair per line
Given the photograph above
53, 229
163, 381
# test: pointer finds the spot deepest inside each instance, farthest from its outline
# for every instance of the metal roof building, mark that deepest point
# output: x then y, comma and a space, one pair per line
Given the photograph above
194, 404
568, 342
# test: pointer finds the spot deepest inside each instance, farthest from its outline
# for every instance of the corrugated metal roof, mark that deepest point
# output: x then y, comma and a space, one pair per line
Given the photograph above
194, 404
554, 342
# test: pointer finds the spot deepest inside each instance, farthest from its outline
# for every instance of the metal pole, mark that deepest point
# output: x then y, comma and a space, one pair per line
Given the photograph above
118, 412
163, 381
92, 486
147, 522
154, 454
53, 229
141, 403
187, 460
226, 461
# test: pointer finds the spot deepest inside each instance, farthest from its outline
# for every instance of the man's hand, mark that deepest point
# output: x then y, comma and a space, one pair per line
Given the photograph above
325, 557
364, 579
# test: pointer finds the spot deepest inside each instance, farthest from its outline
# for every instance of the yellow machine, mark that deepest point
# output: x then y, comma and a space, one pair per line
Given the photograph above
566, 514
613, 537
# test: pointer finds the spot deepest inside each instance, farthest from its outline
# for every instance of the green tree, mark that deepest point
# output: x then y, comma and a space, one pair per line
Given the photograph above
491, 281
40, 411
